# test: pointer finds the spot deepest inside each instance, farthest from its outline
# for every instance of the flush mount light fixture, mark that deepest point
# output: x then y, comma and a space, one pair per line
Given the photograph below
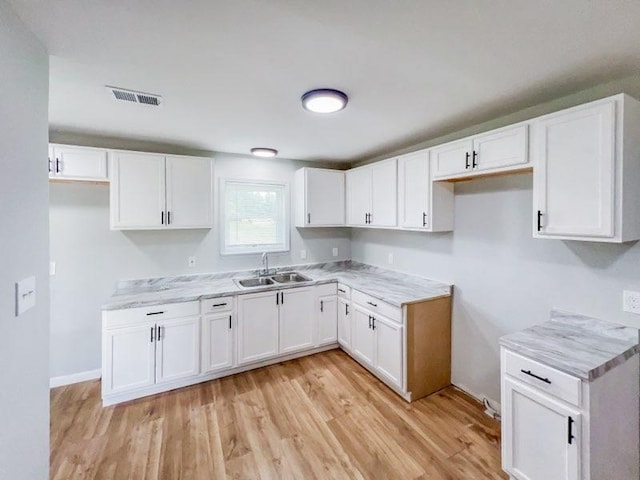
264, 152
324, 100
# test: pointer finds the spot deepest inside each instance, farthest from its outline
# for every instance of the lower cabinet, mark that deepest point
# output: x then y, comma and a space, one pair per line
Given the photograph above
327, 308
217, 342
296, 319
257, 326
344, 323
362, 342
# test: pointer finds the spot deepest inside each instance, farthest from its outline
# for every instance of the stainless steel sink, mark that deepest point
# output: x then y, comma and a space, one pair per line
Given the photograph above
290, 277
255, 282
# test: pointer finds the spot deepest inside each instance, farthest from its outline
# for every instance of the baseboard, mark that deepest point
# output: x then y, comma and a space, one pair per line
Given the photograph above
494, 403
74, 378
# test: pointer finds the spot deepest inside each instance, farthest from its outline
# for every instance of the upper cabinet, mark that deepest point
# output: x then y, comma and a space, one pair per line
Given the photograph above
587, 172
77, 163
320, 197
372, 195
422, 204
497, 151
152, 191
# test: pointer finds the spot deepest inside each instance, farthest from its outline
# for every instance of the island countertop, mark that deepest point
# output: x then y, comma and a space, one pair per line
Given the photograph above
581, 346
395, 288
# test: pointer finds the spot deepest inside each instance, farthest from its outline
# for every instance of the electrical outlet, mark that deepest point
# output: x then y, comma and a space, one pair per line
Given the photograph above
303, 254
390, 259
191, 261
52, 268
631, 302
335, 251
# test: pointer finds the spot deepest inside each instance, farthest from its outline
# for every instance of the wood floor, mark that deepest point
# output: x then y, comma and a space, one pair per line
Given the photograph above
322, 416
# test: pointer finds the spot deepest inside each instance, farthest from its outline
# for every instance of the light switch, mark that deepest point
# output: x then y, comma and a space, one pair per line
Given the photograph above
335, 252
303, 254
25, 295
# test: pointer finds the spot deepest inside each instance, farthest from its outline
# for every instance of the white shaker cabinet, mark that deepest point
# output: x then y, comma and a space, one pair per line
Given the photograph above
129, 358
362, 339
217, 342
151, 191
422, 204
372, 197
68, 162
327, 309
257, 326
587, 170
344, 323
451, 158
320, 197
388, 348
297, 319
177, 349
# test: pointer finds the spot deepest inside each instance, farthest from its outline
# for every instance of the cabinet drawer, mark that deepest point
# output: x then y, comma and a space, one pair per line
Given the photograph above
326, 289
214, 305
152, 313
547, 379
376, 305
344, 291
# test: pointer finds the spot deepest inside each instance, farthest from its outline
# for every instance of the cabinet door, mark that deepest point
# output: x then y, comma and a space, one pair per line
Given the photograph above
575, 171
451, 158
327, 319
344, 323
384, 193
535, 435
79, 163
257, 334
217, 342
137, 191
504, 148
358, 195
414, 184
297, 318
129, 358
325, 197
178, 349
388, 351
189, 192
362, 338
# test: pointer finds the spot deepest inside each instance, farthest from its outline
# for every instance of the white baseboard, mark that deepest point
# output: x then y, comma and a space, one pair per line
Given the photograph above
479, 397
74, 378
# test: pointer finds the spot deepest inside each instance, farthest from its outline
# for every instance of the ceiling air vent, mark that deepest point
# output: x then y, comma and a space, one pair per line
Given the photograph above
135, 97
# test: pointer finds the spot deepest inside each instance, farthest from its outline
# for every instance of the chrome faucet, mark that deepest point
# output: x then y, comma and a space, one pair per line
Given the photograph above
265, 264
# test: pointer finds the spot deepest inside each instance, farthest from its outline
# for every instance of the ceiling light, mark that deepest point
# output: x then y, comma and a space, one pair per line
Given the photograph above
324, 100
264, 152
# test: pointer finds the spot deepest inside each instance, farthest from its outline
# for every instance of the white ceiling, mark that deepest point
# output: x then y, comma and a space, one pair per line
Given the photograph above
232, 71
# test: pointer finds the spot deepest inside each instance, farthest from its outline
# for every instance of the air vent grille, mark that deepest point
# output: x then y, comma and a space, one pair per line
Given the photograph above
125, 95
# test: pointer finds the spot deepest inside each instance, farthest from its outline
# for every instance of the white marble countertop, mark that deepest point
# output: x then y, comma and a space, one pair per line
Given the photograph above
392, 287
581, 346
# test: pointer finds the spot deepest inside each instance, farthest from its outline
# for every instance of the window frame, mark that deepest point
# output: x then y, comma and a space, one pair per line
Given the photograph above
285, 246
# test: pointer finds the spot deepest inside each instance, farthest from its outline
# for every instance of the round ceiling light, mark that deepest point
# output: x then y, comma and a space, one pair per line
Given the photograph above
324, 100
264, 152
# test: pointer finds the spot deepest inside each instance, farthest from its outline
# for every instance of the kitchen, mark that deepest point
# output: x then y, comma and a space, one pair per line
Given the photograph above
505, 276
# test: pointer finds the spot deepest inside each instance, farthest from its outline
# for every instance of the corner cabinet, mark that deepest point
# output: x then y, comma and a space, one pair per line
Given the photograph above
372, 195
150, 191
72, 163
587, 172
422, 204
320, 198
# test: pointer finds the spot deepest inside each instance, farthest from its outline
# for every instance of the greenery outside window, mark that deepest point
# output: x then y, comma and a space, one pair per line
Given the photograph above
254, 216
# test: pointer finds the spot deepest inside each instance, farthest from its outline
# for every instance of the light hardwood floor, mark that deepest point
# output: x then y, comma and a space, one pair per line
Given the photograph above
321, 416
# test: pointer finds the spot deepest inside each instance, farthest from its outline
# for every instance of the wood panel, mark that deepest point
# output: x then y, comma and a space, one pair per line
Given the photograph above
428, 347
322, 416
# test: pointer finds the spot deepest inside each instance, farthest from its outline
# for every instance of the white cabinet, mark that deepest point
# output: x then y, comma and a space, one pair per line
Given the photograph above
257, 326
217, 342
388, 348
422, 204
501, 150
67, 162
344, 323
372, 194
177, 349
362, 340
150, 191
586, 172
297, 319
147, 346
320, 197
542, 435
327, 308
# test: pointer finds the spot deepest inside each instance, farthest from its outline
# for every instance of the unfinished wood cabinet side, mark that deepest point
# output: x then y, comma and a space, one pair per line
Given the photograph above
428, 347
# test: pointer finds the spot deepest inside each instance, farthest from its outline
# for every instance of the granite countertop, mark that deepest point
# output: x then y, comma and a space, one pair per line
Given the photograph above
392, 287
581, 346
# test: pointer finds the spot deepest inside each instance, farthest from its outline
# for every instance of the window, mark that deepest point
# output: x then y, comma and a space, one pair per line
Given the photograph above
255, 216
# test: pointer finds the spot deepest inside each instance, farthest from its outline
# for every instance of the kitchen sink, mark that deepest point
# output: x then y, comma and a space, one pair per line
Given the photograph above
255, 282
290, 277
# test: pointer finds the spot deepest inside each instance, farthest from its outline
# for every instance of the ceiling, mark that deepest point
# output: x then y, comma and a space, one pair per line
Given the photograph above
232, 71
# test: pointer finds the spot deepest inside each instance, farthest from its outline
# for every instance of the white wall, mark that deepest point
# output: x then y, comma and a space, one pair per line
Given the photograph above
24, 341
504, 279
90, 258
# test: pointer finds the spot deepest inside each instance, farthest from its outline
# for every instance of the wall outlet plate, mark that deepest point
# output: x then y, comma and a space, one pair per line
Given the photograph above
191, 261
631, 301
390, 259
335, 251
303, 254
